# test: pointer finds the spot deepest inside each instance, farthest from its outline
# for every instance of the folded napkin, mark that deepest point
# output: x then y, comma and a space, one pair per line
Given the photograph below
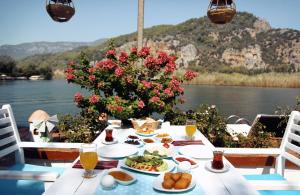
187, 142
100, 165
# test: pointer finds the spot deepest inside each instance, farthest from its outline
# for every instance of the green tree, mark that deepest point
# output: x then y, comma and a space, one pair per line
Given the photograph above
7, 65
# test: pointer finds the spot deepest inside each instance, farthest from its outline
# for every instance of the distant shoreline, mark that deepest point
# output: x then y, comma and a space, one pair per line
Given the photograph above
266, 80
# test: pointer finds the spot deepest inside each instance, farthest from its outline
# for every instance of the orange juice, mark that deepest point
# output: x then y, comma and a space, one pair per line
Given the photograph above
88, 160
190, 130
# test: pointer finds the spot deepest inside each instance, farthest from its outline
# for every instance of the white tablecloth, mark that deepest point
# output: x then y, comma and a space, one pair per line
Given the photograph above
230, 182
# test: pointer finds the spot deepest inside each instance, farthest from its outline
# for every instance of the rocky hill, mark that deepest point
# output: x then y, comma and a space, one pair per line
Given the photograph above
247, 45
20, 51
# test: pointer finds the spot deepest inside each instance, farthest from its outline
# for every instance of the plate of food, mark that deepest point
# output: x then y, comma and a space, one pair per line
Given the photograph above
196, 151
148, 140
134, 140
148, 164
180, 158
117, 150
159, 150
145, 132
174, 182
137, 143
121, 176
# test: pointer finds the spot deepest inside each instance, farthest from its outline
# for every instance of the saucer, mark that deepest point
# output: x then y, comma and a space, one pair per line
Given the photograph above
209, 168
109, 143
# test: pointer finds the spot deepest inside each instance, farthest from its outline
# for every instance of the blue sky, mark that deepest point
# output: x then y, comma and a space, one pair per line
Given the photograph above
27, 20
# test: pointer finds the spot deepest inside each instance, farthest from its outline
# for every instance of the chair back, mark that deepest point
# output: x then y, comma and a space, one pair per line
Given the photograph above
9, 135
290, 145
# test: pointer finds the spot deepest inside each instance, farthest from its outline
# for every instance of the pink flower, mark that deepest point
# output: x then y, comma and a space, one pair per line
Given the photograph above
120, 108
69, 70
123, 57
99, 65
70, 76
91, 70
170, 67
110, 53
146, 84
150, 63
190, 75
174, 83
169, 92
119, 72
141, 104
144, 52
94, 99
134, 50
109, 64
162, 58
92, 77
154, 99
156, 92
78, 97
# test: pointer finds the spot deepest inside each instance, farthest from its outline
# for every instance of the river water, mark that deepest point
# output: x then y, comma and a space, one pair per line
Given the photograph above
56, 97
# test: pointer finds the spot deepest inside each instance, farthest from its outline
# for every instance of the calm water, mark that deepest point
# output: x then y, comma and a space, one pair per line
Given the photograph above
56, 96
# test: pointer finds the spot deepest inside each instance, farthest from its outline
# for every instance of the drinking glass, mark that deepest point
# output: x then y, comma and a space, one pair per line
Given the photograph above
190, 128
108, 135
88, 159
217, 162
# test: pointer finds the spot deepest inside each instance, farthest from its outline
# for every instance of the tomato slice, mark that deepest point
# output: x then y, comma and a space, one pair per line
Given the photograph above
166, 145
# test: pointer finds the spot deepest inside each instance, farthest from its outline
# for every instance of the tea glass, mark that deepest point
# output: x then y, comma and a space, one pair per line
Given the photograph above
109, 135
217, 162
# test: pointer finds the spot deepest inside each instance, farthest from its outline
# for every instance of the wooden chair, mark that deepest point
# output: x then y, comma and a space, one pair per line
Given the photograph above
23, 178
289, 150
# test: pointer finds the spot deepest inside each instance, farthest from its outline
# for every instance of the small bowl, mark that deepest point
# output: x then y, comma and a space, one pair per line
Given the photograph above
121, 181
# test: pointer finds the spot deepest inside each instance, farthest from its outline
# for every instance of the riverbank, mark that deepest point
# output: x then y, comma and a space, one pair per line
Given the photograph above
280, 80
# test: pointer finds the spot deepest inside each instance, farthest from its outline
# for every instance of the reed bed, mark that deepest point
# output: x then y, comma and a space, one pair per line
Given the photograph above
282, 80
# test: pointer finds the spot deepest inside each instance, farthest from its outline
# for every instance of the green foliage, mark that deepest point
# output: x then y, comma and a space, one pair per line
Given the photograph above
7, 65
213, 125
80, 129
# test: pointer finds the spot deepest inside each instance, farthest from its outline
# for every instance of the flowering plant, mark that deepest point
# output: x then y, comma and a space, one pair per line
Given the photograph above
126, 85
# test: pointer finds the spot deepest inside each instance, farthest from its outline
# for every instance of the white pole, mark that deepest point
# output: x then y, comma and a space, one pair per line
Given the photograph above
140, 25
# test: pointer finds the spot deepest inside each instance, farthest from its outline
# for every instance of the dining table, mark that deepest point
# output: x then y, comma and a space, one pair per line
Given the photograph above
207, 182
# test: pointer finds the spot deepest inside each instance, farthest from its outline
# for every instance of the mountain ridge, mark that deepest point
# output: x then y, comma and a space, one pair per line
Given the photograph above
246, 45
22, 50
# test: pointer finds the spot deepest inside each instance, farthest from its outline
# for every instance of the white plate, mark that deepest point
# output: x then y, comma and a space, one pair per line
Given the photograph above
146, 134
120, 181
157, 184
192, 166
225, 168
117, 150
109, 143
141, 143
148, 138
196, 151
169, 152
171, 166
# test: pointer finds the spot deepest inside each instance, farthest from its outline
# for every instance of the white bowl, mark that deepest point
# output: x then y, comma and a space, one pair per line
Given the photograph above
120, 181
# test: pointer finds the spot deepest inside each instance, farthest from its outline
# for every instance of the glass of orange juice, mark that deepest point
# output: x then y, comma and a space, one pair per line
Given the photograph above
190, 128
88, 159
